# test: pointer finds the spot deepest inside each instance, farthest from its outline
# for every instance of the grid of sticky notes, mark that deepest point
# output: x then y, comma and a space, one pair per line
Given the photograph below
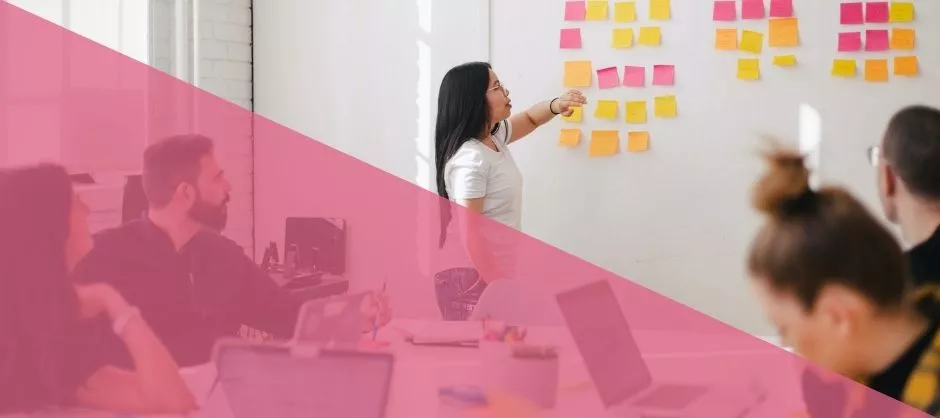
869, 32
783, 31
629, 30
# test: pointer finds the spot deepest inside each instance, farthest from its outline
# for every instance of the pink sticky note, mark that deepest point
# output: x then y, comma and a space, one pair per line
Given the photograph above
781, 8
725, 11
608, 77
752, 9
876, 12
876, 40
850, 41
634, 76
664, 75
851, 14
575, 10
571, 38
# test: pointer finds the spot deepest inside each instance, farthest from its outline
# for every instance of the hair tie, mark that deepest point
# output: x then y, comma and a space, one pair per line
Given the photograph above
803, 203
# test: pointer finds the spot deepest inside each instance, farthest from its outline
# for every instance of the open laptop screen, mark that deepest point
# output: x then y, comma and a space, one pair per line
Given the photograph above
604, 339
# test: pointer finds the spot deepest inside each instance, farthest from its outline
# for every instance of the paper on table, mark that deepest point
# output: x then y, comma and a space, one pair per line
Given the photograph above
634, 76
650, 36
752, 9
876, 70
665, 107
570, 38
876, 40
851, 13
664, 75
751, 41
876, 12
638, 141
785, 60
901, 11
578, 74
784, 32
781, 8
636, 111
604, 143
569, 137
608, 77
622, 38
659, 10
726, 39
906, 66
902, 38
577, 113
843, 67
596, 10
625, 11
575, 10
748, 69
606, 109
850, 41
725, 11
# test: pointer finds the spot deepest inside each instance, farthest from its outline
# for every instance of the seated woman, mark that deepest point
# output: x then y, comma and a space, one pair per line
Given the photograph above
835, 283
50, 328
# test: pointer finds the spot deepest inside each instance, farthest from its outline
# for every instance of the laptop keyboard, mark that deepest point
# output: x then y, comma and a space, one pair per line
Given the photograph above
670, 396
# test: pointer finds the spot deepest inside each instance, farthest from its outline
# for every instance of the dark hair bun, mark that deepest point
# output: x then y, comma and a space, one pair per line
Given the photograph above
787, 179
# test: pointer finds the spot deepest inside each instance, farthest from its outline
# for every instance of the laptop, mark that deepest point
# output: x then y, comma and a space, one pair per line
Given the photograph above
291, 381
332, 322
621, 376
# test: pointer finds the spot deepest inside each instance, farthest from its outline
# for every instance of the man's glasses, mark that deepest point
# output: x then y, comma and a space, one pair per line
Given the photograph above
874, 155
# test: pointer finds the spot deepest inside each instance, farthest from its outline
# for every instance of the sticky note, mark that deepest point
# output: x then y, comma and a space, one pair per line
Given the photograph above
664, 75
784, 32
659, 10
726, 39
578, 74
604, 143
751, 41
596, 10
577, 113
748, 69
876, 12
569, 137
725, 11
636, 111
851, 13
876, 70
606, 109
638, 141
634, 76
570, 38
781, 8
901, 11
608, 78
650, 36
575, 10
843, 67
665, 106
622, 38
850, 41
902, 38
905, 66
785, 60
625, 11
752, 9
876, 40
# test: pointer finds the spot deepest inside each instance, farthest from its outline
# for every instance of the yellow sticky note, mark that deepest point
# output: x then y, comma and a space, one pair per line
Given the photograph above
902, 38
785, 60
569, 137
650, 36
623, 38
876, 70
636, 111
606, 109
726, 39
752, 41
905, 66
748, 68
659, 10
625, 11
638, 141
577, 113
596, 10
902, 11
784, 32
604, 143
843, 67
578, 74
665, 106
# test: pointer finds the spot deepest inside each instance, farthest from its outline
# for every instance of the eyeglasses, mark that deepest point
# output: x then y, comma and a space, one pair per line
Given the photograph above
499, 86
874, 155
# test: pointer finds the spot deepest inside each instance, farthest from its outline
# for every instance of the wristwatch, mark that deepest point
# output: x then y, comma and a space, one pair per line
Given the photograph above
121, 320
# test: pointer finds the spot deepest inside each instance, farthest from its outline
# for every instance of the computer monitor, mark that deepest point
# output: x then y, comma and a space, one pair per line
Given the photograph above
135, 203
320, 243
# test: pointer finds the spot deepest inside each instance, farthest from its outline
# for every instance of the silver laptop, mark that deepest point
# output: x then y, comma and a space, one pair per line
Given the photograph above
292, 381
332, 322
621, 376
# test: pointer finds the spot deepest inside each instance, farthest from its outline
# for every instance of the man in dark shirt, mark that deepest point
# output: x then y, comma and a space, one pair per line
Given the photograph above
191, 284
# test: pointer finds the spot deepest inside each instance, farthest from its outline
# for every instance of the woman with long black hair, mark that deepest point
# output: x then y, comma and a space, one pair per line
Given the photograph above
475, 169
51, 329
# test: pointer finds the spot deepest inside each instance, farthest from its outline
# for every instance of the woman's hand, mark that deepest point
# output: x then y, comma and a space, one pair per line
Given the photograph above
377, 312
95, 299
563, 104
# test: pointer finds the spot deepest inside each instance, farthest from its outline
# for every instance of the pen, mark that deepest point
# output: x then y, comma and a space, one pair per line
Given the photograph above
375, 321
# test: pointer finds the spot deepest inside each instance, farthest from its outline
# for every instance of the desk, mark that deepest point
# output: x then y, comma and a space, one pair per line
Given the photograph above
330, 285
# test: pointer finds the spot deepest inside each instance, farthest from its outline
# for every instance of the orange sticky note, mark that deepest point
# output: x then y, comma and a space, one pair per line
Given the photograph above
876, 70
650, 36
604, 143
906, 66
578, 74
622, 38
570, 137
726, 39
784, 32
625, 11
577, 113
638, 141
843, 67
902, 38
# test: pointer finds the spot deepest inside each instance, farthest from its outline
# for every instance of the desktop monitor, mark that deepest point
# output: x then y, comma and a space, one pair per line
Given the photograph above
320, 243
